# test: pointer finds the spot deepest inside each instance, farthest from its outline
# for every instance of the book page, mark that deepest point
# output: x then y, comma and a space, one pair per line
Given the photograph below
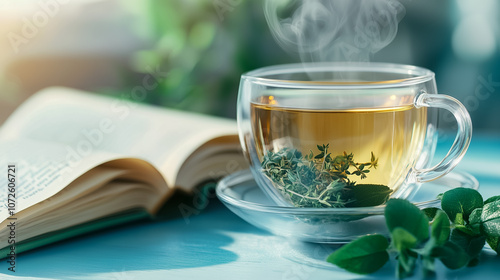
85, 123
40, 170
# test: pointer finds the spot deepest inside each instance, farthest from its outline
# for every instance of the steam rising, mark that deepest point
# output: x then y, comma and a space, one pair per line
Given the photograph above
333, 30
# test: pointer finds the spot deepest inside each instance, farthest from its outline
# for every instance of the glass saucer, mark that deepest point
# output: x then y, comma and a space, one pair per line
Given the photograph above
240, 193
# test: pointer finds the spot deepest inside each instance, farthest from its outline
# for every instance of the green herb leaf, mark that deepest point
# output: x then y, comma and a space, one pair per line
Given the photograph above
459, 221
402, 239
475, 221
440, 229
461, 201
440, 233
318, 156
364, 195
364, 255
401, 213
440, 196
490, 218
470, 243
494, 243
492, 199
406, 264
430, 212
451, 255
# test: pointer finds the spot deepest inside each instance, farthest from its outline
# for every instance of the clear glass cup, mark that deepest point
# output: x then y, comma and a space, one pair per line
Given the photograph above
314, 132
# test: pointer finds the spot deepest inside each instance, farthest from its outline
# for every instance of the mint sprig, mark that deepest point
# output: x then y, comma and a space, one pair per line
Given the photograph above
456, 236
364, 255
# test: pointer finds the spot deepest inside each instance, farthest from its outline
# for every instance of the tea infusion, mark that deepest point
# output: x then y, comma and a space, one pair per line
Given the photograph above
336, 158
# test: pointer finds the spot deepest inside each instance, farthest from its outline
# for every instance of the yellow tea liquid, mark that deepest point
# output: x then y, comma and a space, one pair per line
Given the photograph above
394, 135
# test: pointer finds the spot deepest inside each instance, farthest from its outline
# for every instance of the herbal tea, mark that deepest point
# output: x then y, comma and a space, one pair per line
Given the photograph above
336, 158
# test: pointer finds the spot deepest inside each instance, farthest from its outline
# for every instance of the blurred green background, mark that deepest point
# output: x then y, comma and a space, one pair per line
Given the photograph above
197, 49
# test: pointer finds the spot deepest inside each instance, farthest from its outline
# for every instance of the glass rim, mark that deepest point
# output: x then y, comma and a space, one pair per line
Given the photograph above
261, 75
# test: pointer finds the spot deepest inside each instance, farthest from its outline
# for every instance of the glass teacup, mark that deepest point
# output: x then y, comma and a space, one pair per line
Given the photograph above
344, 134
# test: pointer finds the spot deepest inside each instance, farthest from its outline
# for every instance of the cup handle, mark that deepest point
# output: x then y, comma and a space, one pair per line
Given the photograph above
462, 140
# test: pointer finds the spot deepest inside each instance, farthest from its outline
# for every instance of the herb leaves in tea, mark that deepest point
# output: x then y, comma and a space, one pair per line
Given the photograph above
321, 180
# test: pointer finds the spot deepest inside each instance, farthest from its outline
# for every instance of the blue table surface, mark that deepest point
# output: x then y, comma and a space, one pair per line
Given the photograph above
218, 244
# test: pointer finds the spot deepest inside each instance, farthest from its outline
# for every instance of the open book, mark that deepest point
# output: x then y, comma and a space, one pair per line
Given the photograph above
81, 162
